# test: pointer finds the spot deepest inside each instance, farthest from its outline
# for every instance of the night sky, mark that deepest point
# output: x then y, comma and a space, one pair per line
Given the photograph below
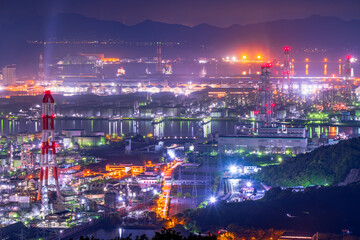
220, 13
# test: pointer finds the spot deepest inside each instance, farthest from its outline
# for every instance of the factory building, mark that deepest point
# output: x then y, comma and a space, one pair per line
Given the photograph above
88, 141
269, 140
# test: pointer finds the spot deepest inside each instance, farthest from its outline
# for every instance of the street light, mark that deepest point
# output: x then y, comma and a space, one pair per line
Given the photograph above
248, 184
233, 169
171, 153
212, 199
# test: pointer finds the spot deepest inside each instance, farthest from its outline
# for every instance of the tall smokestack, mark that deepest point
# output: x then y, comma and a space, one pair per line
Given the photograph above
48, 153
41, 75
158, 58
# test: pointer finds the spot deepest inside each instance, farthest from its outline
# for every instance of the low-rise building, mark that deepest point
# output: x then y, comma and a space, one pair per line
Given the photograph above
73, 132
123, 169
88, 141
272, 140
147, 179
280, 145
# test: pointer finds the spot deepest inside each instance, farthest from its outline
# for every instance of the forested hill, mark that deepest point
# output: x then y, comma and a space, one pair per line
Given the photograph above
316, 209
324, 165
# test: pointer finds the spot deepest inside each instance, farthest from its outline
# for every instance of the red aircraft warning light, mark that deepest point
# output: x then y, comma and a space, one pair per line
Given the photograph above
286, 48
348, 57
267, 65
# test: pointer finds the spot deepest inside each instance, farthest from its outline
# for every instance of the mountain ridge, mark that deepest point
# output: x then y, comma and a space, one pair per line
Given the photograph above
315, 31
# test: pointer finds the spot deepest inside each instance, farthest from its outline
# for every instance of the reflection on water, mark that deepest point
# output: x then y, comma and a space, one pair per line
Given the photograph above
165, 128
332, 131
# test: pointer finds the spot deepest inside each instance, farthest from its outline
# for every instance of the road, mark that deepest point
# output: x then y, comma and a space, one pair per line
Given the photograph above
167, 188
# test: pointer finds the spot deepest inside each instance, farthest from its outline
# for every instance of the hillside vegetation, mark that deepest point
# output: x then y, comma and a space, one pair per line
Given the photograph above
316, 209
324, 166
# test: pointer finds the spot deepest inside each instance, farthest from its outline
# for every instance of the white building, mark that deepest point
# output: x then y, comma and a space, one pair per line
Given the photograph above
9, 75
274, 144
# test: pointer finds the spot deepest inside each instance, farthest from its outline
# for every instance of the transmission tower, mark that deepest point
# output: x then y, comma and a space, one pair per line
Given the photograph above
25, 154
348, 79
265, 103
286, 71
220, 168
194, 191
179, 187
207, 178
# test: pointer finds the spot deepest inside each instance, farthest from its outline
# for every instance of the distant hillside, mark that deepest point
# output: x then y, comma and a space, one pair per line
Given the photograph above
328, 33
329, 36
325, 165
315, 31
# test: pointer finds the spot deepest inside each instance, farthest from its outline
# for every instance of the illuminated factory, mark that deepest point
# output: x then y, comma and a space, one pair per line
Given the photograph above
269, 140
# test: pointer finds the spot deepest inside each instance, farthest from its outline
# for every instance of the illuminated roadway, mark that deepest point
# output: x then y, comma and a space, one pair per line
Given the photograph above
167, 188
